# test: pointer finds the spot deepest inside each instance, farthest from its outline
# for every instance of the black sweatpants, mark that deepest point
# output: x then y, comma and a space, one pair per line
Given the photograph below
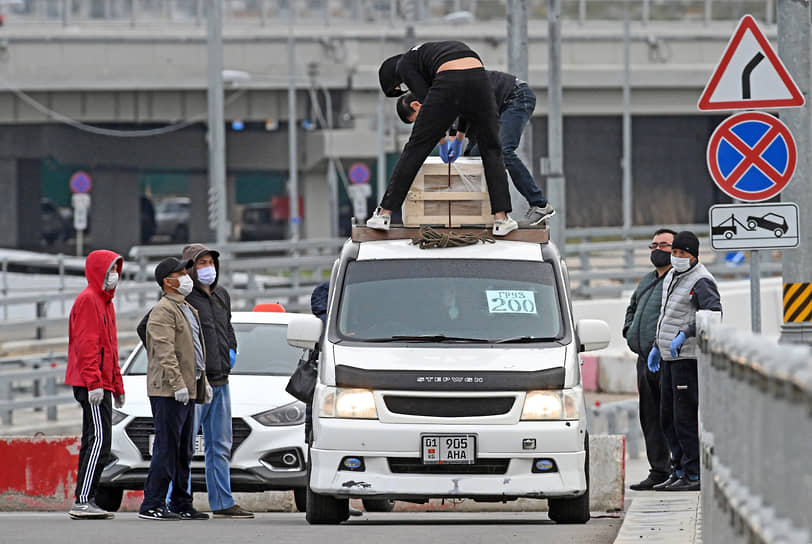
97, 427
172, 453
648, 388
453, 93
679, 409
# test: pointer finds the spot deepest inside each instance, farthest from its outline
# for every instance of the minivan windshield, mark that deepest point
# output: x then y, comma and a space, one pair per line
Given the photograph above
444, 300
262, 348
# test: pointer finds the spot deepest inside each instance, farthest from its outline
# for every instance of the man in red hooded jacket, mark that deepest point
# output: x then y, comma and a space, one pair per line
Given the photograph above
94, 373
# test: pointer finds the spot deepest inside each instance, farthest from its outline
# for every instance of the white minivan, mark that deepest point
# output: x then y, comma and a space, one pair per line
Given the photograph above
449, 373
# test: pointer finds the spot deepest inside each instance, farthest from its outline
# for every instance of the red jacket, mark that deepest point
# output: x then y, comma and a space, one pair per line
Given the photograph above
92, 337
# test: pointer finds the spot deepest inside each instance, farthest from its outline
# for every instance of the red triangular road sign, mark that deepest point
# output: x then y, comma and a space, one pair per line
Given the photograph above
750, 75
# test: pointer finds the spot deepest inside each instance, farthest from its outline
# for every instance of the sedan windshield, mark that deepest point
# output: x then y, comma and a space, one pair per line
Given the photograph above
421, 300
262, 348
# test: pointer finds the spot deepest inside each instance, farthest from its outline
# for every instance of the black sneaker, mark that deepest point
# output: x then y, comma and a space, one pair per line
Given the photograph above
649, 483
159, 513
191, 513
672, 479
683, 484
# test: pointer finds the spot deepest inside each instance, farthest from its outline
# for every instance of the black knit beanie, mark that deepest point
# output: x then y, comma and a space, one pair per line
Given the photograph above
389, 78
687, 241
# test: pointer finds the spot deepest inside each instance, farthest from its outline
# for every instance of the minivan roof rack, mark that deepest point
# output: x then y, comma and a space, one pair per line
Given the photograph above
538, 235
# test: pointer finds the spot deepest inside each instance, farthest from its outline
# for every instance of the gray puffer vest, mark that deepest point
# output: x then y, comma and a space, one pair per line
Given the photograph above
676, 311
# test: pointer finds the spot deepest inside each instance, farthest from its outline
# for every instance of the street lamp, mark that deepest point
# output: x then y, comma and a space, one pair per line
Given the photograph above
218, 197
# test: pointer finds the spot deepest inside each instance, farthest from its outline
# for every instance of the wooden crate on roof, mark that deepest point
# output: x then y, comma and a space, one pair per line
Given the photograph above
451, 197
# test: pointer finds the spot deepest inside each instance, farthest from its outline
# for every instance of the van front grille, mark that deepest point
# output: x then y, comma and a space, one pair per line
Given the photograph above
413, 465
449, 406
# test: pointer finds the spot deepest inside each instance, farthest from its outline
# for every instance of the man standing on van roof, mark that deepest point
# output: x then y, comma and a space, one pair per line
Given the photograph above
687, 287
448, 78
213, 305
639, 330
94, 373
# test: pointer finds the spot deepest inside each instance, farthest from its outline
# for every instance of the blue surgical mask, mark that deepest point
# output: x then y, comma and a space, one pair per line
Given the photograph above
206, 275
680, 264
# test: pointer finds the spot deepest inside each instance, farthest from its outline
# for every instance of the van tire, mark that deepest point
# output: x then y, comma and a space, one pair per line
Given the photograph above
323, 509
378, 505
570, 511
109, 498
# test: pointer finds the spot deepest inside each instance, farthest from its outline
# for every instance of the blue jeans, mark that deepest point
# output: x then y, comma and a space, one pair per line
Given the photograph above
514, 116
216, 420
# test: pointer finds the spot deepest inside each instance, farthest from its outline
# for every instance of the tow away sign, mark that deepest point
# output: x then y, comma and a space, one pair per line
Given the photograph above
750, 75
754, 226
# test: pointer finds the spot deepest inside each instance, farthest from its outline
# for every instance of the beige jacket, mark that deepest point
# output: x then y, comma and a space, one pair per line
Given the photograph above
171, 350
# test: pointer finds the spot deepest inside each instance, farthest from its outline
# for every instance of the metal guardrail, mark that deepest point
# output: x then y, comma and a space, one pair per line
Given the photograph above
619, 417
38, 387
388, 12
755, 399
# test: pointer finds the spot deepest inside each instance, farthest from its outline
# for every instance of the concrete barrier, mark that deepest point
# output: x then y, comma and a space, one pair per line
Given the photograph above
39, 474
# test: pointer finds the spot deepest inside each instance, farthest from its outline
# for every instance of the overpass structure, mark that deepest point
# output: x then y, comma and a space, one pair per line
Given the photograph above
117, 88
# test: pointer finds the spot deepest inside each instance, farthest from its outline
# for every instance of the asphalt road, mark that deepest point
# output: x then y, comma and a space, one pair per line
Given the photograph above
393, 528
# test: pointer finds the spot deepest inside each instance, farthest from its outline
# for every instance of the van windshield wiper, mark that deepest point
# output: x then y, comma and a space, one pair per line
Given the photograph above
428, 338
525, 339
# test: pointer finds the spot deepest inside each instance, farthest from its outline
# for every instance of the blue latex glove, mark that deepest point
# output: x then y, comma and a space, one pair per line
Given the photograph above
232, 357
654, 359
444, 151
454, 149
676, 344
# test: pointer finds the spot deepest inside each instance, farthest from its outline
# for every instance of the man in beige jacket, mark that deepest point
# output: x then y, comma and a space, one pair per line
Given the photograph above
176, 379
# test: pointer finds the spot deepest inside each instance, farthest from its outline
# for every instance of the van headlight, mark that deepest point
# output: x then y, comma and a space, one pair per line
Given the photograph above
550, 405
289, 414
347, 403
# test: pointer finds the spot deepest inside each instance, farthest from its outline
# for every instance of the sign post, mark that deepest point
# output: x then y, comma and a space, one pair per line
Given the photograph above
80, 185
359, 189
752, 155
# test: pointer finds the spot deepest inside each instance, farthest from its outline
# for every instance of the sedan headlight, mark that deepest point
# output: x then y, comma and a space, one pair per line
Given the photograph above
118, 417
550, 405
289, 414
347, 403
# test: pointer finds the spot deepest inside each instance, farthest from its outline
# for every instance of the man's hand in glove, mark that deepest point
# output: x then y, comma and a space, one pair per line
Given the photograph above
444, 150
182, 395
654, 359
95, 396
676, 344
209, 394
232, 357
454, 149
119, 401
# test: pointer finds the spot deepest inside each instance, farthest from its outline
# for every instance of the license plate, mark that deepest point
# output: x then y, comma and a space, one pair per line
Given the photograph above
200, 445
449, 449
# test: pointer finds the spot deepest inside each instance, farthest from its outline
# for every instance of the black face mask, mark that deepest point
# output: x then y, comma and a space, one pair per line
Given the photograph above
660, 258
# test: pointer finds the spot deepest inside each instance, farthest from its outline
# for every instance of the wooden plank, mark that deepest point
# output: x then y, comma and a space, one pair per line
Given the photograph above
397, 232
451, 195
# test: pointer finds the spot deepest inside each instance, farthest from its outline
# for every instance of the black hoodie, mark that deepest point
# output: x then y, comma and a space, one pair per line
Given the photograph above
214, 311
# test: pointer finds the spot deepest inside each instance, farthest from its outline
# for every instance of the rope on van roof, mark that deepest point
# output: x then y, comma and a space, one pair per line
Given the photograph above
431, 239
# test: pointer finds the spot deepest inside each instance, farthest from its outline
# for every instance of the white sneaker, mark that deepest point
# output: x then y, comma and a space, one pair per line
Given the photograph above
504, 226
379, 221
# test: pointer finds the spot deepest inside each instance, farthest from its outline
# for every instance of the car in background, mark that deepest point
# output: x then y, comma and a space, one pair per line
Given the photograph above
55, 225
769, 221
259, 223
268, 451
172, 218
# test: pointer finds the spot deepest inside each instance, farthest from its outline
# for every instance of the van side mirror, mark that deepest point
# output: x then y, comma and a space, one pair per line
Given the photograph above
304, 331
593, 334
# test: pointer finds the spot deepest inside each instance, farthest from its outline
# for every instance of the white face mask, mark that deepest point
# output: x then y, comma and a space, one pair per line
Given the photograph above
110, 281
680, 264
186, 285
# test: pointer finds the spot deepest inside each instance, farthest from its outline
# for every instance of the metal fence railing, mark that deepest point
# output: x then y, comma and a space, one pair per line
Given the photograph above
371, 12
39, 385
755, 401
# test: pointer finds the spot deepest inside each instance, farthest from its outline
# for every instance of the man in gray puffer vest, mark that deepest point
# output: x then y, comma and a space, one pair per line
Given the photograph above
639, 330
687, 287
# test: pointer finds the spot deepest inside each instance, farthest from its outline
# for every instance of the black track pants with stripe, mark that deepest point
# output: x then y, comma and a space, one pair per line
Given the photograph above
95, 448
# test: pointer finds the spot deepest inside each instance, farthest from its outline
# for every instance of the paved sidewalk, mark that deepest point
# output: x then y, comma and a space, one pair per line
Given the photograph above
669, 518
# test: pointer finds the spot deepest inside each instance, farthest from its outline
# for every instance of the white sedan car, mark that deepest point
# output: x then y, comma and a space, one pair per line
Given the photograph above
268, 451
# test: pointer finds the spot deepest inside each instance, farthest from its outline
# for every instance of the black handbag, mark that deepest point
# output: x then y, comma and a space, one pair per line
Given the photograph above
302, 382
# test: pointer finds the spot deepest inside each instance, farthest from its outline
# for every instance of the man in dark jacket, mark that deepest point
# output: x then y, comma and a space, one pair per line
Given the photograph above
213, 304
94, 373
515, 102
639, 330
